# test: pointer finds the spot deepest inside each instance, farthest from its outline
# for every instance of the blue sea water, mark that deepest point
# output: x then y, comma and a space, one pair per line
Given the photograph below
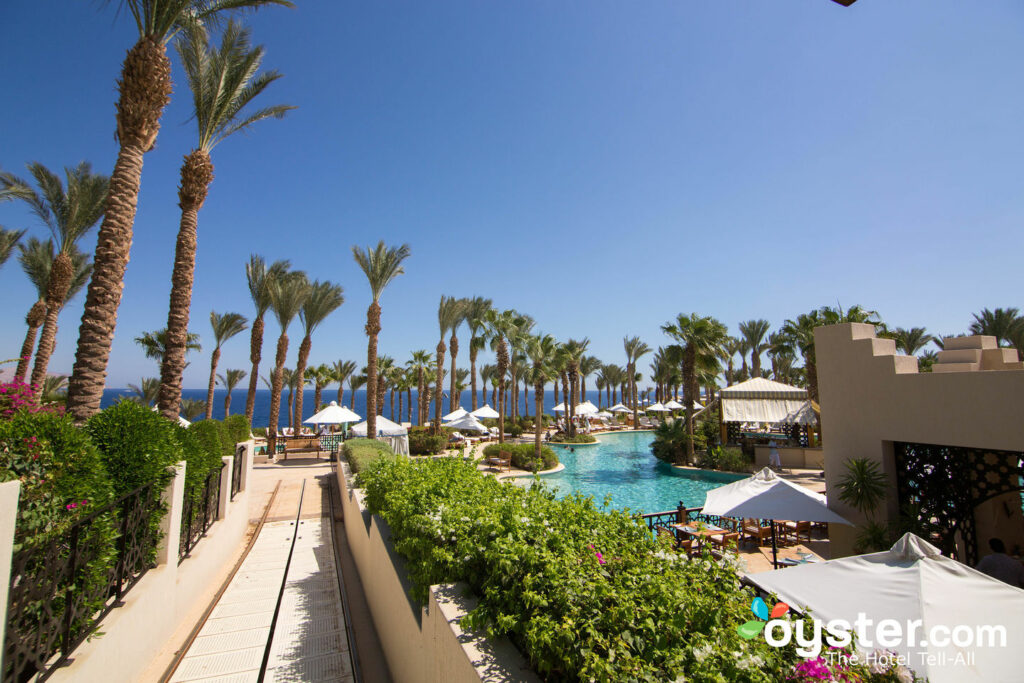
622, 468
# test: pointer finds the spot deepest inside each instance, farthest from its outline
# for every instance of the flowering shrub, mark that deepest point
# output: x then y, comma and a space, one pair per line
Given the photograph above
18, 396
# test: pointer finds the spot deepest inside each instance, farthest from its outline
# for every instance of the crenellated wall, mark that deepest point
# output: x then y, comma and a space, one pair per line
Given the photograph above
870, 397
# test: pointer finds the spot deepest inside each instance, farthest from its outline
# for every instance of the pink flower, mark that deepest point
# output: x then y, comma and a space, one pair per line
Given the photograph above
70, 506
600, 559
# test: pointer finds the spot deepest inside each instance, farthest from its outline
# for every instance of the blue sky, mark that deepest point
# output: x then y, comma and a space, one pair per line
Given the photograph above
602, 166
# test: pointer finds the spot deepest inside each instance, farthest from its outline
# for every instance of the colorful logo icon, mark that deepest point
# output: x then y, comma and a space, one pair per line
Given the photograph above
753, 627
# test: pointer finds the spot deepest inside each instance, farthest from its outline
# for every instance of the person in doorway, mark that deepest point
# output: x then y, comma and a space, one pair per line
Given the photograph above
774, 461
1001, 566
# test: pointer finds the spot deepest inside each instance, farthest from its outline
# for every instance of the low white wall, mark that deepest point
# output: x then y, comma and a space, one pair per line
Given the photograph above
155, 607
422, 644
803, 458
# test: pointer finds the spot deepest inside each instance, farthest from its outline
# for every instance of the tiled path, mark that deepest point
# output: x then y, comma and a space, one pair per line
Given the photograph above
309, 642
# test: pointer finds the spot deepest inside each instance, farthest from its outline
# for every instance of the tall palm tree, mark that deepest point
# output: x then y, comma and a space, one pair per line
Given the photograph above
542, 351
323, 299
800, 332
385, 368
635, 349
320, 375
455, 397
420, 363
290, 379
476, 310
913, 340
154, 343
340, 372
230, 380
780, 351
260, 278
1000, 323
574, 350
8, 240
754, 333
145, 391
36, 259
701, 339
191, 409
69, 212
501, 326
287, 295
523, 325
144, 90
486, 375
354, 382
381, 265
225, 326
449, 315
224, 82
588, 366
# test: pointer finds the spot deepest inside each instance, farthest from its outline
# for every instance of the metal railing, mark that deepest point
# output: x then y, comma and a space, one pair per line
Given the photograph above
236, 471
684, 515
64, 584
199, 512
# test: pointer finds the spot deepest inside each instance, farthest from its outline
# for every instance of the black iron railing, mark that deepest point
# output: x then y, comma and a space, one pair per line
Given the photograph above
63, 585
199, 512
684, 515
236, 471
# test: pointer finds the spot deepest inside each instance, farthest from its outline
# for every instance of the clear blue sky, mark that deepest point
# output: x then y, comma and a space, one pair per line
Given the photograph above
600, 165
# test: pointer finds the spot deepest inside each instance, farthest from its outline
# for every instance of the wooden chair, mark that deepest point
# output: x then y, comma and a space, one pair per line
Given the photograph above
686, 547
502, 460
797, 530
727, 541
752, 529
664, 532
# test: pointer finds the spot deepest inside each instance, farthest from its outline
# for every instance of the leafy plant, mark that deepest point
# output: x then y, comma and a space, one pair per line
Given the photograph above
423, 442
562, 437
137, 445
360, 453
524, 455
670, 438
863, 487
237, 428
729, 459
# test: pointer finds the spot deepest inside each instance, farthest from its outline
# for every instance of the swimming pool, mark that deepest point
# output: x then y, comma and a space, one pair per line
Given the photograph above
622, 466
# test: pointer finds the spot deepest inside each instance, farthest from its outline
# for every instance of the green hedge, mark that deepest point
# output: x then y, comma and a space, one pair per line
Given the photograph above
562, 437
584, 594
524, 455
202, 446
423, 442
238, 429
137, 444
730, 459
360, 453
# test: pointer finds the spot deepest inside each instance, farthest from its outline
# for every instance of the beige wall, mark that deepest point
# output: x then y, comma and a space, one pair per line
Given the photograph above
421, 644
802, 458
871, 397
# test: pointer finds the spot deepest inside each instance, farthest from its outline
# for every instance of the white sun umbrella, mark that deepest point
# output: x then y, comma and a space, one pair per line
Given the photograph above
675, 405
586, 408
333, 414
658, 408
560, 408
604, 415
485, 413
467, 423
768, 496
455, 414
619, 408
385, 427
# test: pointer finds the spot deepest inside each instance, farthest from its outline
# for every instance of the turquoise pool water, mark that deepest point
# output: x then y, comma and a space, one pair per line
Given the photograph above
623, 467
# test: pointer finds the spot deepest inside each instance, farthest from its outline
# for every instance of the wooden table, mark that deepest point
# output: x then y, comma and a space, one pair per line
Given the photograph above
693, 530
791, 555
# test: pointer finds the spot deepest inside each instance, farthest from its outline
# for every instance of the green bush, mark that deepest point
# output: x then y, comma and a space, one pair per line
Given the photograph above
423, 442
584, 594
137, 445
360, 453
730, 459
238, 429
524, 455
227, 445
515, 430
259, 431
562, 437
670, 439
202, 447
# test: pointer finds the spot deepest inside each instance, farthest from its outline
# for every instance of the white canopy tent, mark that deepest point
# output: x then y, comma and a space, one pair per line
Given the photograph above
762, 400
455, 414
333, 414
586, 408
604, 414
619, 408
560, 408
385, 427
768, 496
467, 423
912, 581
659, 408
485, 413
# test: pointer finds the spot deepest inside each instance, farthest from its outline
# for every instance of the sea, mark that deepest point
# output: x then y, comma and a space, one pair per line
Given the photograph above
261, 412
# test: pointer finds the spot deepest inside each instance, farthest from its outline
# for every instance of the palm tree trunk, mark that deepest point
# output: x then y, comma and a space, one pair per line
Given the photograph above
61, 272
538, 424
300, 371
566, 397
318, 396
352, 403
472, 372
275, 394
34, 319
502, 370
214, 359
400, 398
380, 394
145, 89
437, 399
392, 396
408, 404
632, 397
526, 398
291, 404
255, 354
421, 395
556, 391
690, 384
454, 400
372, 330
227, 403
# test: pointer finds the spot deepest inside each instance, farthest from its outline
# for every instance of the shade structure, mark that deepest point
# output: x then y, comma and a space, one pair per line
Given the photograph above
455, 414
586, 408
768, 496
675, 405
485, 413
912, 581
659, 408
385, 427
762, 400
604, 414
467, 423
333, 414
560, 408
619, 408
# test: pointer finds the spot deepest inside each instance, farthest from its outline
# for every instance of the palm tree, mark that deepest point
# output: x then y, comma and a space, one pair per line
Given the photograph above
68, 212
223, 83
574, 351
800, 333
420, 364
340, 372
192, 409
154, 343
225, 326
523, 325
381, 265
449, 315
743, 348
486, 375
913, 340
8, 239
230, 380
729, 350
260, 279
635, 349
290, 379
324, 298
54, 389
320, 375
500, 327
754, 332
145, 392
354, 382
1000, 323
144, 90
385, 366
588, 366
701, 338
36, 259
455, 398
287, 295
780, 351
476, 310
543, 351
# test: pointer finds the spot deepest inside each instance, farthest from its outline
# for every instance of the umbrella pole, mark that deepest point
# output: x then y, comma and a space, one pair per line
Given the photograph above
775, 549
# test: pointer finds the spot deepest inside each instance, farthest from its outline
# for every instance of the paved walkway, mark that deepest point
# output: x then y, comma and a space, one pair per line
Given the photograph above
307, 641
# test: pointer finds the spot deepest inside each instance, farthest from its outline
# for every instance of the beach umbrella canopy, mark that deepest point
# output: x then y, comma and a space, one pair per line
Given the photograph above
586, 408
485, 413
604, 414
333, 414
455, 414
675, 405
385, 427
768, 496
560, 408
467, 423
911, 582
619, 408
659, 408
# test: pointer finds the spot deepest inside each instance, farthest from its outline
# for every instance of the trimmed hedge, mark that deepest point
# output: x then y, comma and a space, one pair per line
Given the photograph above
202, 447
524, 455
137, 444
423, 442
562, 437
360, 453
238, 428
